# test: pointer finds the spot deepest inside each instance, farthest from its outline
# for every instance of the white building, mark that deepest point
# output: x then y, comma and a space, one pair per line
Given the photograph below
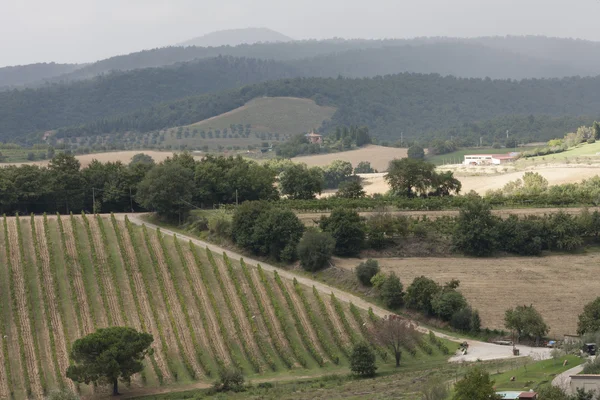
488, 159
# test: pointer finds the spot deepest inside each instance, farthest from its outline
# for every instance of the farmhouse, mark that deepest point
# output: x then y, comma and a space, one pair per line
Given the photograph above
314, 138
585, 381
517, 395
489, 159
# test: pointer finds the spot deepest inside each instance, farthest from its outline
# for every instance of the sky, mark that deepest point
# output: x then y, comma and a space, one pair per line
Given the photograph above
75, 31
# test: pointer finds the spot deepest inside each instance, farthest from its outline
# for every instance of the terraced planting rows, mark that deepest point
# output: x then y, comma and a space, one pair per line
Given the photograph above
62, 277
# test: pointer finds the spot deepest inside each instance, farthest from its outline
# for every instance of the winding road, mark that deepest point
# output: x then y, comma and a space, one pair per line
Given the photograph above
477, 350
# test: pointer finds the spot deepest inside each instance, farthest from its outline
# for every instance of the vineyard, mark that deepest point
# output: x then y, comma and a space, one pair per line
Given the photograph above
62, 277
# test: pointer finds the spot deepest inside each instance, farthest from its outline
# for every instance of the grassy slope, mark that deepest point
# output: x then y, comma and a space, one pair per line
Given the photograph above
581, 150
90, 272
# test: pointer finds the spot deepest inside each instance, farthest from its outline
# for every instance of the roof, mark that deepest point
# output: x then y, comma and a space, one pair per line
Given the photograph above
528, 395
312, 134
497, 156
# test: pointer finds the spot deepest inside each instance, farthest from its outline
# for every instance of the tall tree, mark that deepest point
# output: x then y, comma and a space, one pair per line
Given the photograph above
526, 321
476, 385
409, 177
589, 320
394, 333
301, 182
108, 355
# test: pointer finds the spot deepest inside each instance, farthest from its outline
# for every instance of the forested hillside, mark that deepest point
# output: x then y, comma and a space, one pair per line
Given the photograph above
415, 104
32, 73
28, 111
533, 56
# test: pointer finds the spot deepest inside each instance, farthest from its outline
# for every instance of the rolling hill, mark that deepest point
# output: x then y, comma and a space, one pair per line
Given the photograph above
235, 37
62, 277
20, 75
282, 115
416, 104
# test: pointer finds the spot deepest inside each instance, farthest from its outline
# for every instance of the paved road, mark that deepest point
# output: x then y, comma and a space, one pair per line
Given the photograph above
563, 380
477, 350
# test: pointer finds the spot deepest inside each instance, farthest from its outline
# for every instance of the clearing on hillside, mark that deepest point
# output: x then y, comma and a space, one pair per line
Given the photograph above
62, 277
378, 156
558, 286
282, 115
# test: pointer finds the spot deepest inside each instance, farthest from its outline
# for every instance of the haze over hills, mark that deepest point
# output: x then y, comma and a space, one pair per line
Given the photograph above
33, 73
235, 37
521, 56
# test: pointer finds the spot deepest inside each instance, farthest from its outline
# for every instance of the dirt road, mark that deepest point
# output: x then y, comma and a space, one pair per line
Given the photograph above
477, 350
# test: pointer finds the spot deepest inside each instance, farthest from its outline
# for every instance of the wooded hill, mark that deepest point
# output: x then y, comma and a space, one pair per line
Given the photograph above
418, 105
532, 56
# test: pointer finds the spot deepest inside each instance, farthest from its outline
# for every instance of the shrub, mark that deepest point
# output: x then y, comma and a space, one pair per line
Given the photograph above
315, 249
447, 302
230, 380
476, 229
219, 226
420, 294
348, 230
378, 280
416, 152
365, 271
362, 360
466, 319
392, 291
591, 140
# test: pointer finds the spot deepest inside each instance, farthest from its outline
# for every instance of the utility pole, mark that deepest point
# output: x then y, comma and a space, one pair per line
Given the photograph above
130, 199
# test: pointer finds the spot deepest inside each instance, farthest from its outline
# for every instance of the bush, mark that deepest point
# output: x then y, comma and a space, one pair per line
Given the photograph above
476, 230
420, 294
219, 226
447, 302
348, 230
466, 320
416, 152
392, 291
230, 380
62, 395
315, 249
591, 140
378, 280
367, 270
362, 360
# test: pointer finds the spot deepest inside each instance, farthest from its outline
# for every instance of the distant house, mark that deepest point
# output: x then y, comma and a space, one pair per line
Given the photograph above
489, 159
517, 395
314, 138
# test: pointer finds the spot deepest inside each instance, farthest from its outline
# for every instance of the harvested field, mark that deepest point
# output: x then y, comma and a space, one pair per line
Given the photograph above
558, 286
378, 156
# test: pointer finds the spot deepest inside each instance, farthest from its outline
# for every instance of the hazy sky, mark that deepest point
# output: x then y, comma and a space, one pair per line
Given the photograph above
88, 30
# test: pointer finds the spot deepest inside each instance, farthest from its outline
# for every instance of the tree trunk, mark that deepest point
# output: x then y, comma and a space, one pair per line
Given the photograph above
116, 387
398, 354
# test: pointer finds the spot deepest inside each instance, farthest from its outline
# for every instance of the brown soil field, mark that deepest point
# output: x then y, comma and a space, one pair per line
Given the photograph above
483, 179
379, 157
558, 286
123, 156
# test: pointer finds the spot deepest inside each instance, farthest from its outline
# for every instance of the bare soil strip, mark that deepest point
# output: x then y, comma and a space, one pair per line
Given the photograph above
264, 298
142, 294
304, 317
239, 311
4, 392
51, 298
78, 285
104, 268
175, 306
23, 311
339, 327
197, 284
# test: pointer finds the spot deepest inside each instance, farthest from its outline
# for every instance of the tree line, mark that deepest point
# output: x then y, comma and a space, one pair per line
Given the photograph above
386, 105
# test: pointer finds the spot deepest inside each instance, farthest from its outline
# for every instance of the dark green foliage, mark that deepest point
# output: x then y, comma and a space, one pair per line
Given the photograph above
527, 322
476, 385
392, 291
348, 230
549, 392
447, 302
336, 172
267, 231
141, 158
589, 319
420, 294
476, 229
300, 182
382, 228
416, 152
362, 360
351, 189
108, 355
407, 176
367, 270
230, 380
364, 167
466, 319
315, 249
521, 236
166, 189
227, 179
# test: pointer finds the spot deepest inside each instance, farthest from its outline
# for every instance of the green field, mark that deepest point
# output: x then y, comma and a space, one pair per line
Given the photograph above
582, 150
533, 375
457, 157
21, 154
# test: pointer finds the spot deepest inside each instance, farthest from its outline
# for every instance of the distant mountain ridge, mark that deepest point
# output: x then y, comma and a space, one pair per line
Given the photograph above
27, 74
542, 57
235, 37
